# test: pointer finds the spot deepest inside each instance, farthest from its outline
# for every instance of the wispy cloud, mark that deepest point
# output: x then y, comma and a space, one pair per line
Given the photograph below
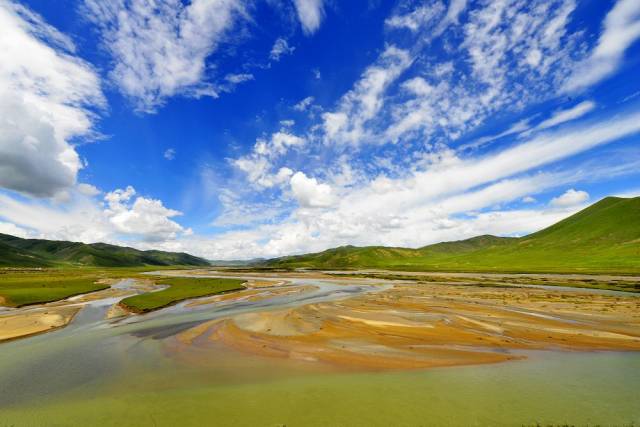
563, 116
160, 49
280, 48
310, 14
169, 154
620, 30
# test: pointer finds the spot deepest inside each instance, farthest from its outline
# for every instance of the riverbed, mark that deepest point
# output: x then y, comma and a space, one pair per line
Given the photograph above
282, 353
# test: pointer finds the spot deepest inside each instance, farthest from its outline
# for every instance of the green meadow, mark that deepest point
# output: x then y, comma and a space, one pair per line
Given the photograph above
23, 287
26, 286
179, 289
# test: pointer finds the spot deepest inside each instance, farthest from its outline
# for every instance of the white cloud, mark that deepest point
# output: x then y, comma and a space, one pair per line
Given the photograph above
486, 70
448, 199
310, 14
309, 192
570, 198
304, 104
417, 18
81, 219
621, 29
563, 116
160, 49
366, 99
123, 218
259, 164
408, 187
14, 230
169, 154
517, 127
47, 96
235, 79
145, 218
88, 189
280, 48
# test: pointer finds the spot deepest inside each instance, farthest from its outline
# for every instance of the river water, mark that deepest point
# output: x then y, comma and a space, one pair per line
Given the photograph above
119, 373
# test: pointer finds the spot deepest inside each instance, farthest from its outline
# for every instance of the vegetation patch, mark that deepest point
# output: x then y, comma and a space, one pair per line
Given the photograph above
180, 289
25, 287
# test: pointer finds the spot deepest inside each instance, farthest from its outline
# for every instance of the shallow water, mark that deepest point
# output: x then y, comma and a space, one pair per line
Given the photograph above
96, 372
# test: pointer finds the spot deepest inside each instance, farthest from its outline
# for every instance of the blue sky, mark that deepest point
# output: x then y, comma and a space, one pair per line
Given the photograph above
234, 129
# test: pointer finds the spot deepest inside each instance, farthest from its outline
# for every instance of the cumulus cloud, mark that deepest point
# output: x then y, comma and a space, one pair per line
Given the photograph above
310, 14
47, 97
88, 189
620, 30
159, 49
123, 216
309, 192
570, 198
145, 218
280, 48
259, 164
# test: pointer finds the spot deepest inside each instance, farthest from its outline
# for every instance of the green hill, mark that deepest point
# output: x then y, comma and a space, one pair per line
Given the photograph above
17, 252
604, 237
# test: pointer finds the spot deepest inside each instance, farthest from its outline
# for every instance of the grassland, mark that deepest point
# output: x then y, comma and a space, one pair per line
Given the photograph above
603, 238
179, 289
24, 287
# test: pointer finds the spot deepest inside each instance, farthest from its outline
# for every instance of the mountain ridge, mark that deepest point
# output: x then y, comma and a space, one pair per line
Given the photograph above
604, 237
19, 252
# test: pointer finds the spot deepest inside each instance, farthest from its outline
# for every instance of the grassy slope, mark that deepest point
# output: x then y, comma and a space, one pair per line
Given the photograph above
180, 289
15, 251
604, 237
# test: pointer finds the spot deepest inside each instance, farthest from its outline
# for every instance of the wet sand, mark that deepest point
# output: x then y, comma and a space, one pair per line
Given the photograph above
417, 325
31, 320
396, 325
34, 322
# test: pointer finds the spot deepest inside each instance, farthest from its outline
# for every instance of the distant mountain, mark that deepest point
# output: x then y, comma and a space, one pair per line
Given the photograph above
235, 262
18, 252
605, 237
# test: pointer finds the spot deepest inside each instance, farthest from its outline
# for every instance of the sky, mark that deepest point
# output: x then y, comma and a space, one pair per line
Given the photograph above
254, 129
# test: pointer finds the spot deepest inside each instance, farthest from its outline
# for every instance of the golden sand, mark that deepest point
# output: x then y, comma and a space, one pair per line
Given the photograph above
427, 325
35, 321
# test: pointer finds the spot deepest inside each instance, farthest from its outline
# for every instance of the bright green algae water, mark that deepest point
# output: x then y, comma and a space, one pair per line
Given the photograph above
549, 388
94, 374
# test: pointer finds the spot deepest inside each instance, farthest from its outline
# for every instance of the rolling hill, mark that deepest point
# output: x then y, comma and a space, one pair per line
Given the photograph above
605, 237
18, 252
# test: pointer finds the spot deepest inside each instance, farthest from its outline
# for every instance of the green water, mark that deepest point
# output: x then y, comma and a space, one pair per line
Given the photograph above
549, 388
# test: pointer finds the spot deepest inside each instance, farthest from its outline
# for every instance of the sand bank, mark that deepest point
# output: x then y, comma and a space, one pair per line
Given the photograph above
428, 325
